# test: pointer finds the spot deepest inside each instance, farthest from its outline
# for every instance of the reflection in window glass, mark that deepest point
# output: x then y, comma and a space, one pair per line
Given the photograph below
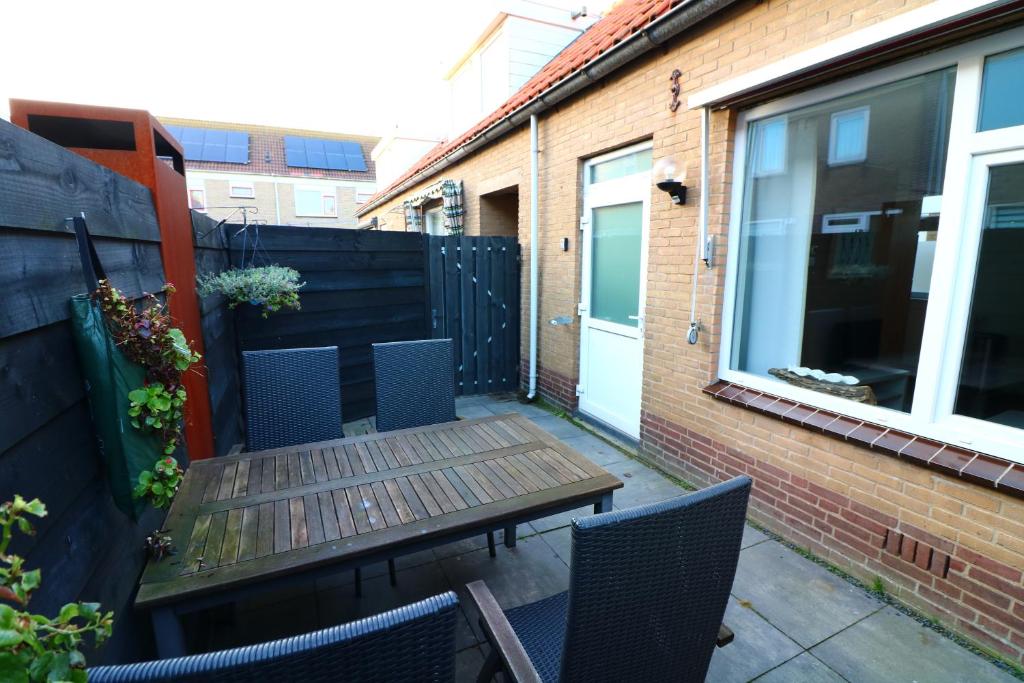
992, 374
769, 147
615, 263
618, 167
830, 256
1002, 91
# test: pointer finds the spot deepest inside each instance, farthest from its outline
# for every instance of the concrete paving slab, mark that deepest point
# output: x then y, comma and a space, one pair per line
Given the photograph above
470, 411
468, 663
797, 596
802, 669
890, 646
757, 648
556, 426
752, 536
641, 485
596, 450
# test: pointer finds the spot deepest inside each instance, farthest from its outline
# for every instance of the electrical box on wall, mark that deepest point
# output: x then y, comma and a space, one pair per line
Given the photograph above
565, 244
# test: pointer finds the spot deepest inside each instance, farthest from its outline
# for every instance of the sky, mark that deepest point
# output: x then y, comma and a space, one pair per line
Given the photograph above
353, 66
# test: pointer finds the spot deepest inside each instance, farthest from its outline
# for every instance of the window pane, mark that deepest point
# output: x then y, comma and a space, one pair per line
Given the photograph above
329, 206
992, 374
833, 271
1002, 91
615, 263
638, 162
308, 202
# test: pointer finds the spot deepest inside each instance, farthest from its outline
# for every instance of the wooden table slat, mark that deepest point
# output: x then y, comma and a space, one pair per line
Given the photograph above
197, 542
319, 467
387, 507
413, 500
402, 508
268, 474
358, 509
328, 516
465, 492
373, 512
314, 523
439, 496
297, 519
331, 464
281, 472
211, 555
265, 527
475, 442
282, 526
346, 524
449, 489
306, 467
516, 475
432, 506
365, 458
232, 536
248, 537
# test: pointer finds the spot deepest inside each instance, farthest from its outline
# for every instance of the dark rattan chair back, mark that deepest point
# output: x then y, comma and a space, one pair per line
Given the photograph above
292, 396
411, 643
415, 383
649, 586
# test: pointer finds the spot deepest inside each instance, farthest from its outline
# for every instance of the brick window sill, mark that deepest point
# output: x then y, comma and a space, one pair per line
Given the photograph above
979, 468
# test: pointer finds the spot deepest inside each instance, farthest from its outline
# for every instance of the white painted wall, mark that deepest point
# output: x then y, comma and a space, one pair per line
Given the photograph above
394, 155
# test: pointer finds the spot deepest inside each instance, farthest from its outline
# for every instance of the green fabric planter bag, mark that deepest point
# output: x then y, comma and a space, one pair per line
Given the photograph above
109, 376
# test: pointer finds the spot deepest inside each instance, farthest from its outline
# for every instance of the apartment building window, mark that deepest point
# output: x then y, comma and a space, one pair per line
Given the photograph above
363, 197
197, 199
876, 238
241, 190
319, 202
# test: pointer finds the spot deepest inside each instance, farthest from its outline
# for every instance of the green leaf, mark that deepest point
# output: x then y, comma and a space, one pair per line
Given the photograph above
157, 488
145, 477
31, 580
67, 612
35, 507
159, 404
88, 610
138, 395
9, 637
12, 668
7, 616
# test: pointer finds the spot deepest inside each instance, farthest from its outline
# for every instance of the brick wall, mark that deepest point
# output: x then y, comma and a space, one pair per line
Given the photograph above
217, 195
843, 502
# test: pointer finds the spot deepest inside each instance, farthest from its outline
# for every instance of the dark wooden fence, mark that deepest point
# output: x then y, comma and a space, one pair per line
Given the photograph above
361, 287
86, 549
474, 299
219, 337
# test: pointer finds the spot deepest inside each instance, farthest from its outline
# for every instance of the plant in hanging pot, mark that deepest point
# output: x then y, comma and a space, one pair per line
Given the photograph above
271, 287
146, 335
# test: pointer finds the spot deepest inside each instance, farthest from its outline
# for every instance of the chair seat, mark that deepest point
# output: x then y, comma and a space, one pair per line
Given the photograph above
540, 627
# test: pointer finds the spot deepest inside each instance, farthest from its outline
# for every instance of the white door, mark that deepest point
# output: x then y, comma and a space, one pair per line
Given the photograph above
616, 210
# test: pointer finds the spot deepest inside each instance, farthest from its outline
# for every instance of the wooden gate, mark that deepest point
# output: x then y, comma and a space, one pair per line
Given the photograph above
473, 287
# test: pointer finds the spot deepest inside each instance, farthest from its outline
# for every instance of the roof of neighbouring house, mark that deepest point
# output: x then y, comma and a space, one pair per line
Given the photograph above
621, 22
266, 150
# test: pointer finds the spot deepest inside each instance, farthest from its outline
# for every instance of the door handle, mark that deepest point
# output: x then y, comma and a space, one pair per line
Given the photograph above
633, 317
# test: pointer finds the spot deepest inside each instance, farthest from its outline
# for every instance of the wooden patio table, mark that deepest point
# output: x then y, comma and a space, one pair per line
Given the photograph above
247, 523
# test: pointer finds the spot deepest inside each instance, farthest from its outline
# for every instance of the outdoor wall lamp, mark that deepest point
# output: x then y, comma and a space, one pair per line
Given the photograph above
666, 180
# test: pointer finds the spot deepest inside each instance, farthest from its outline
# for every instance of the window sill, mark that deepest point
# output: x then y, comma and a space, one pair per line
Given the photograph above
979, 468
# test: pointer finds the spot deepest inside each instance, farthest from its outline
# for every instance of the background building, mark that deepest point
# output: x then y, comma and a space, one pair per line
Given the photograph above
281, 176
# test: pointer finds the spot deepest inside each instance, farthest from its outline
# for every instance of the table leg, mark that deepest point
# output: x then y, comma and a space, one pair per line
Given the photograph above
605, 505
490, 544
170, 637
510, 536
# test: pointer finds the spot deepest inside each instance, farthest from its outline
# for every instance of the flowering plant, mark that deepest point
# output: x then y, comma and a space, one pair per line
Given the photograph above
159, 485
272, 287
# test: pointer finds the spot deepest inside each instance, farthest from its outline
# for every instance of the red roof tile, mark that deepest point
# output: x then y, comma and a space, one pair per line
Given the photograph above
625, 19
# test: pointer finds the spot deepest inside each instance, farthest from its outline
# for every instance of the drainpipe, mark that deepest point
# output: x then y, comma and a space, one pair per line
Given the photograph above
277, 204
533, 257
702, 250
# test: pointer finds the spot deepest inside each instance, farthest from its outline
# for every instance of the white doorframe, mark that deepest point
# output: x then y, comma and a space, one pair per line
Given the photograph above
626, 189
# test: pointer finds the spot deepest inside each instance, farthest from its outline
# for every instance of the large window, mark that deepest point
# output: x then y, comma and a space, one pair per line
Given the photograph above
877, 239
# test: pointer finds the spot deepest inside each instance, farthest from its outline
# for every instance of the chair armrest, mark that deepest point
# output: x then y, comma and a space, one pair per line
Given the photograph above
725, 636
503, 639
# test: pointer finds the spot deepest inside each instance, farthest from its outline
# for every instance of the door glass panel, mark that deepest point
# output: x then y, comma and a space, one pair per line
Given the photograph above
615, 263
992, 374
618, 167
1002, 91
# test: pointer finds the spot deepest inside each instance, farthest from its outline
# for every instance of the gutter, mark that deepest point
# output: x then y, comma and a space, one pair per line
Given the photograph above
686, 15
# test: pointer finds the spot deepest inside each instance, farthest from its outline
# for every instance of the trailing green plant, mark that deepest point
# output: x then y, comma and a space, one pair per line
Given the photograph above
34, 647
147, 336
270, 287
159, 485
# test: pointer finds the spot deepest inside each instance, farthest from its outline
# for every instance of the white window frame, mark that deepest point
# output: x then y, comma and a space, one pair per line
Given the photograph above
202, 190
436, 213
833, 139
325, 192
249, 188
952, 284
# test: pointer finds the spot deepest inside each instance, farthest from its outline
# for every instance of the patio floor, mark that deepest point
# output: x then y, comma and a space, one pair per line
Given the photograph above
794, 621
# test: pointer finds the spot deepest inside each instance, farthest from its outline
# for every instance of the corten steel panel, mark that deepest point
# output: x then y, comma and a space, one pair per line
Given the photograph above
172, 213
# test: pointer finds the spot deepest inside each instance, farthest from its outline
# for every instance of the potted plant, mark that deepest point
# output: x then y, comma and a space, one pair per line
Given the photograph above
270, 287
34, 647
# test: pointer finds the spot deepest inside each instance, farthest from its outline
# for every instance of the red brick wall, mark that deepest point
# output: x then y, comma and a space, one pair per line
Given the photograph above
978, 596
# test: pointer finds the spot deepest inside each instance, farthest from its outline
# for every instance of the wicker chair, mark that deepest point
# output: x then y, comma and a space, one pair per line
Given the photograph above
292, 396
647, 591
411, 643
415, 383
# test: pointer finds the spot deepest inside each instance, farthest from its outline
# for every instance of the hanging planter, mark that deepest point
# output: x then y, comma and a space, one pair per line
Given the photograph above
269, 287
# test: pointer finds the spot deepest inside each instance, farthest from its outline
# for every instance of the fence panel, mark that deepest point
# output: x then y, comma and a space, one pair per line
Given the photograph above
474, 300
361, 287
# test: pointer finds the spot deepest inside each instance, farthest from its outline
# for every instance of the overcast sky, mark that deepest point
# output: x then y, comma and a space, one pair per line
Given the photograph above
355, 66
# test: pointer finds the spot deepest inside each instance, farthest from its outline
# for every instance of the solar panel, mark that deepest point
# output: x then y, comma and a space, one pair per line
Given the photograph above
207, 144
330, 155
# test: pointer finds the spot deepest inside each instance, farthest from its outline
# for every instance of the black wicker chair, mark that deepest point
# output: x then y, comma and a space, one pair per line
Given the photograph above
292, 396
647, 591
411, 643
415, 382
